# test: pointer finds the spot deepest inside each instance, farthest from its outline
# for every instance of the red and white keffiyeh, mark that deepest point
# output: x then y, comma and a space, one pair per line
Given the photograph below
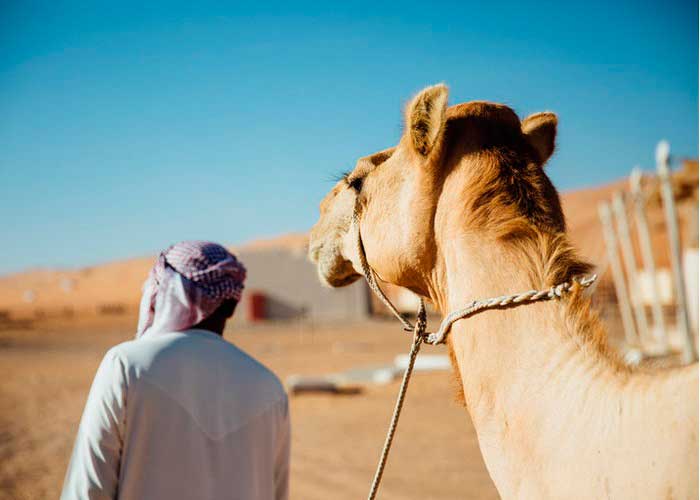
188, 282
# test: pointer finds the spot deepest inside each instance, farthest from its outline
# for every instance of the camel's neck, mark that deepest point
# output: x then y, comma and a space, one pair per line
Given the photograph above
541, 395
529, 340
518, 366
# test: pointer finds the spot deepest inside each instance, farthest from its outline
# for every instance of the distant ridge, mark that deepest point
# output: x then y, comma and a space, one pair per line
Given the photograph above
115, 287
109, 287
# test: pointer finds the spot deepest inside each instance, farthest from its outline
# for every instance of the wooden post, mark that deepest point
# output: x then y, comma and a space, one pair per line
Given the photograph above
623, 301
662, 160
630, 264
642, 225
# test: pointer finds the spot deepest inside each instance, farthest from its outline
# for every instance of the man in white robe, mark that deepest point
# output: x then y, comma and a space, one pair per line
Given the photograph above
180, 413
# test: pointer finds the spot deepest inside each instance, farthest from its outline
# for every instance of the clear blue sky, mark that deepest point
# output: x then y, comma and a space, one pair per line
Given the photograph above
124, 128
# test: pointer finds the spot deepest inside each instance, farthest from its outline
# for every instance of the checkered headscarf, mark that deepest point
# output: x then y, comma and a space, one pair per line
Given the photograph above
188, 282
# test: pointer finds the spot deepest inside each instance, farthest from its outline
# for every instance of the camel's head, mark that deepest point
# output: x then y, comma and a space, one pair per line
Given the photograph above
474, 163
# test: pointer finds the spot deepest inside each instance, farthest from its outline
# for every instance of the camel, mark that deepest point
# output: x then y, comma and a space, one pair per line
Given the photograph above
462, 209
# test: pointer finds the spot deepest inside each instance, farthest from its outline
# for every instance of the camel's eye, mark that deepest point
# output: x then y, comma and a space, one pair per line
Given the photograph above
356, 183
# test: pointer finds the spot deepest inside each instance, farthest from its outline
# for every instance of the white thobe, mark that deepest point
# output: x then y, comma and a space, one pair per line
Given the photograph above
181, 416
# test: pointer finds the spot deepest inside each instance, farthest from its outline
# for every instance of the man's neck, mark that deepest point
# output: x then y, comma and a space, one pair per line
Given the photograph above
214, 325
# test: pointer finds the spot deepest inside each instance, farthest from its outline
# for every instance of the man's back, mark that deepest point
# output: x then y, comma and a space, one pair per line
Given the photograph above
186, 415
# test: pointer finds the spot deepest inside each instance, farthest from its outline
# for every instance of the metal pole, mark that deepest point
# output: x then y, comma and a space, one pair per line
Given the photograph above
662, 159
623, 301
630, 264
648, 254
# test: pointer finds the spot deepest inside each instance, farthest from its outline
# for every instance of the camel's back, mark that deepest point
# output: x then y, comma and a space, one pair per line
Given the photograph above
681, 429
637, 440
661, 433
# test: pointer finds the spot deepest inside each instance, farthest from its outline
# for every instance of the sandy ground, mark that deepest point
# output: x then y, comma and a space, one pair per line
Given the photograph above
45, 374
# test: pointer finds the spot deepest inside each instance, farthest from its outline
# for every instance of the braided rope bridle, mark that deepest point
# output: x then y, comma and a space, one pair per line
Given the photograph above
420, 334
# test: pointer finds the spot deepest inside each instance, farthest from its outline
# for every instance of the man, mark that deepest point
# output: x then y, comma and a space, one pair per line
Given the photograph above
179, 413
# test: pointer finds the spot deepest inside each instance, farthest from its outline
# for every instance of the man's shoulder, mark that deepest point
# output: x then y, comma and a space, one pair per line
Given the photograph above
262, 373
146, 355
125, 351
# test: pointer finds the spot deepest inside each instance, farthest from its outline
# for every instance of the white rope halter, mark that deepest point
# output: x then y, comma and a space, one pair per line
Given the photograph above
420, 335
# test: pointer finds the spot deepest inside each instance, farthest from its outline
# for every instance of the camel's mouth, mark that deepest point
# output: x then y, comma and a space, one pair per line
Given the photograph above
333, 270
337, 272
336, 282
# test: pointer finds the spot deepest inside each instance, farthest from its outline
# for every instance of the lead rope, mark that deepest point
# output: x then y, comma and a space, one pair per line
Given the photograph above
418, 333
418, 339
420, 336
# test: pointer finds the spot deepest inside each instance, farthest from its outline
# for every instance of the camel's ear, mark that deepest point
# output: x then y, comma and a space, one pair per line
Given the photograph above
425, 118
541, 130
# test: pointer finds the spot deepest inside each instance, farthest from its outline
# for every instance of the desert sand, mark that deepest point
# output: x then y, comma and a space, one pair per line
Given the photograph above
45, 374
